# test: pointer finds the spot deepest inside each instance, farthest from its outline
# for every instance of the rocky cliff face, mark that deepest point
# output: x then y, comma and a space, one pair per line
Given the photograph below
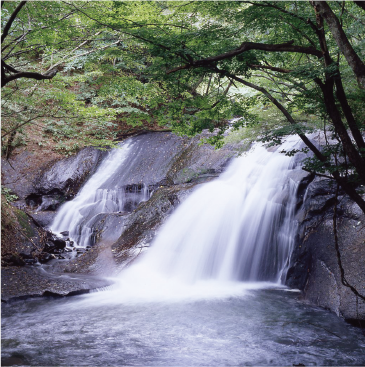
314, 263
168, 165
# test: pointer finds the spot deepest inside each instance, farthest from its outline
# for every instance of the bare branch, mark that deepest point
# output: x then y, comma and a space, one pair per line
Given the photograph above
273, 68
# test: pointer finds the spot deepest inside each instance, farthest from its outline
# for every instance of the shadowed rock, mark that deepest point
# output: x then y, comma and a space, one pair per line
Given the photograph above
314, 263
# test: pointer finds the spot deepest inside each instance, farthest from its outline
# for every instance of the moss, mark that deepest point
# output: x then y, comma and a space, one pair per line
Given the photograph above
25, 223
7, 219
8, 223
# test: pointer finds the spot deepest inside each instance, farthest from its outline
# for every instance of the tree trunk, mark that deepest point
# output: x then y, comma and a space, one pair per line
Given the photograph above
342, 41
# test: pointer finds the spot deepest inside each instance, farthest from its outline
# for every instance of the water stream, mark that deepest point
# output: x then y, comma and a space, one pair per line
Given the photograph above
207, 292
239, 227
104, 192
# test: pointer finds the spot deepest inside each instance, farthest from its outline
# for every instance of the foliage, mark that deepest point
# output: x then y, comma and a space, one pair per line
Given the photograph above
9, 197
189, 66
286, 52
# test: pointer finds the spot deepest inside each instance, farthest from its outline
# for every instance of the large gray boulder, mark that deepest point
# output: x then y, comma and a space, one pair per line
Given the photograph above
62, 180
43, 184
315, 264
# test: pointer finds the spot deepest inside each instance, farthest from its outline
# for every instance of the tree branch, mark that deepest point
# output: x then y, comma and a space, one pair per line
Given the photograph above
247, 46
273, 68
11, 20
285, 112
28, 74
270, 5
354, 61
2, 3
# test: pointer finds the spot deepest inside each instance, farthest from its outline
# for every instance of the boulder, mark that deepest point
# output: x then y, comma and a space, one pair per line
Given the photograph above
62, 180
314, 262
23, 282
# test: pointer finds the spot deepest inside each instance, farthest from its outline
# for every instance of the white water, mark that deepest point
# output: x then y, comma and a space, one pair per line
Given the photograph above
235, 228
77, 216
239, 227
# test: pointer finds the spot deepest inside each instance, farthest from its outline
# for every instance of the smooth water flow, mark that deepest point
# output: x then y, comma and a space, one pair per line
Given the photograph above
102, 193
205, 294
239, 227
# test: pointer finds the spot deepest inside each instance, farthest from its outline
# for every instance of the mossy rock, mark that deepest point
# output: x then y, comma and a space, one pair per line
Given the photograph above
26, 223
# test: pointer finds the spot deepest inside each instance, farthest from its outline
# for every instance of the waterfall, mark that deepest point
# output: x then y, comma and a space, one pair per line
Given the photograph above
104, 192
239, 227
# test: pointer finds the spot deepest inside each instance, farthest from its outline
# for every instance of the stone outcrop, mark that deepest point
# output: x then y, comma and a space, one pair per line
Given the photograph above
63, 179
24, 282
314, 263
168, 165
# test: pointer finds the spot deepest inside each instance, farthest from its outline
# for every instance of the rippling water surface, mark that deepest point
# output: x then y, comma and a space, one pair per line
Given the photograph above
268, 326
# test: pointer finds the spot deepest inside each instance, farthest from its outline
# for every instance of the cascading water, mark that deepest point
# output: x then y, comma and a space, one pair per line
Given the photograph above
181, 303
104, 192
239, 227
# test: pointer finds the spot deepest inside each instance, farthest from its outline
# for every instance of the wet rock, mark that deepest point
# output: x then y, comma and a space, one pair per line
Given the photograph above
45, 257
16, 359
107, 227
66, 176
65, 233
53, 244
59, 243
45, 187
22, 282
28, 259
19, 172
164, 159
12, 259
140, 226
314, 263
43, 219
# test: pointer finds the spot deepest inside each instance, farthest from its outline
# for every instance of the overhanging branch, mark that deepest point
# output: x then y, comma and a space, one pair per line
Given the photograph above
27, 74
247, 46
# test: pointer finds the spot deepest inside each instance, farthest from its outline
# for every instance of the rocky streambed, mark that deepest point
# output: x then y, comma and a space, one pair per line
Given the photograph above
169, 168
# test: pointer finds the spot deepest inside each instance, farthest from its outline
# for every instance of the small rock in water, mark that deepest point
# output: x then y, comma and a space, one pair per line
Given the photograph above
59, 244
45, 257
30, 261
65, 233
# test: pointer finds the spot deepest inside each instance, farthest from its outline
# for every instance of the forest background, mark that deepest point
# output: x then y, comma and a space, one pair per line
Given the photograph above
76, 74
